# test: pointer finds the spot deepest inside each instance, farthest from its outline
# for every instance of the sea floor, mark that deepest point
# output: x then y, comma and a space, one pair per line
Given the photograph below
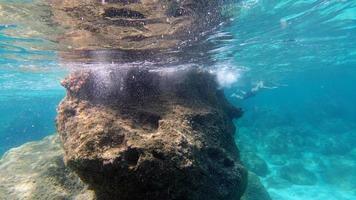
295, 167
299, 157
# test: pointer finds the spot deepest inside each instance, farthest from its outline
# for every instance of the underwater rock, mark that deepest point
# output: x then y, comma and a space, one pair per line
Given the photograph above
276, 182
342, 145
287, 141
36, 171
255, 190
278, 159
254, 163
137, 133
339, 171
297, 174
279, 140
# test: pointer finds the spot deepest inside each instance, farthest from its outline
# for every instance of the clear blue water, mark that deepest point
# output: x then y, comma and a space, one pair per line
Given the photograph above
304, 114
29, 88
305, 54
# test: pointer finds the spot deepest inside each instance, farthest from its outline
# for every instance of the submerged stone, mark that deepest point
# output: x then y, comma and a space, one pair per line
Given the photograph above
36, 171
146, 133
277, 182
254, 163
278, 159
297, 174
339, 171
255, 190
137, 133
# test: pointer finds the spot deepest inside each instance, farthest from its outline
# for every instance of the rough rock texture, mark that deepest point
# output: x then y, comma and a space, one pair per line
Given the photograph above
36, 171
143, 134
255, 190
254, 163
134, 24
25, 175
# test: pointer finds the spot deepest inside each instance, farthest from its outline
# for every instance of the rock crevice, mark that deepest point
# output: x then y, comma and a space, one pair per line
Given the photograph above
167, 137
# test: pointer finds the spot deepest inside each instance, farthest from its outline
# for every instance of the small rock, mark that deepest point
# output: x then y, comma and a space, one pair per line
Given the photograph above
254, 163
277, 182
255, 190
278, 159
36, 171
339, 171
297, 174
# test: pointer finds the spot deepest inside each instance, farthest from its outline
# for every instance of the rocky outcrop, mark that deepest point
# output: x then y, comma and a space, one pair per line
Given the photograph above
139, 133
145, 132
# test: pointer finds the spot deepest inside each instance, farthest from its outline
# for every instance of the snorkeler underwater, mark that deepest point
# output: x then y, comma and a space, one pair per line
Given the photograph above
177, 100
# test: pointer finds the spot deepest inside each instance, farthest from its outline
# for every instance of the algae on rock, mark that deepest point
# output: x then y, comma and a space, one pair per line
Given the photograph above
154, 135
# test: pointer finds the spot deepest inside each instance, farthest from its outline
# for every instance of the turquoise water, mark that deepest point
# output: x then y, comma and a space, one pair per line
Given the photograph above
291, 65
304, 53
30, 91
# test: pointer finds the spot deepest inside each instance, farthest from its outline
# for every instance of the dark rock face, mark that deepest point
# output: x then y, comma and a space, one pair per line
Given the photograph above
143, 134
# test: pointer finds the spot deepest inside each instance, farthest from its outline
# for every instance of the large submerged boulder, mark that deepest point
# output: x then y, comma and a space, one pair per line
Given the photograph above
139, 133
